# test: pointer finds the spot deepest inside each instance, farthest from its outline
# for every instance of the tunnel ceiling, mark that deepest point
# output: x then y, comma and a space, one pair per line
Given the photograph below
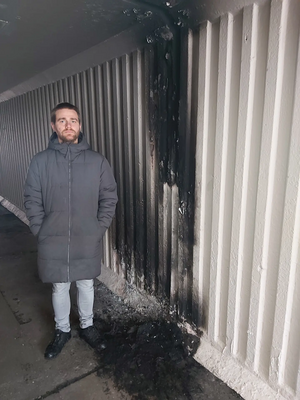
38, 34
35, 35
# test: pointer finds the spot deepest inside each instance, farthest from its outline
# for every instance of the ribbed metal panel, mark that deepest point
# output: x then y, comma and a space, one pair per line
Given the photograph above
246, 257
125, 113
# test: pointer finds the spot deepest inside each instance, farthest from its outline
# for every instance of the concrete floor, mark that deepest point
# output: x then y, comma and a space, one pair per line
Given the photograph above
26, 327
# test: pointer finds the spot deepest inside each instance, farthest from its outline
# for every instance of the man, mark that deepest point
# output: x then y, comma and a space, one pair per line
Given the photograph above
70, 200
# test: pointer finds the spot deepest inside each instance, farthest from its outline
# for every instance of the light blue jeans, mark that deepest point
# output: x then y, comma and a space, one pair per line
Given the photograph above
62, 304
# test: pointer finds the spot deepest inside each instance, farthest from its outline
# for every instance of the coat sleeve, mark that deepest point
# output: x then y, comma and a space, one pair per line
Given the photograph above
33, 201
107, 197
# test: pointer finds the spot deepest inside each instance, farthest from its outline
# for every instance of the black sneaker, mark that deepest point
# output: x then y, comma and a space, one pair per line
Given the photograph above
57, 344
92, 337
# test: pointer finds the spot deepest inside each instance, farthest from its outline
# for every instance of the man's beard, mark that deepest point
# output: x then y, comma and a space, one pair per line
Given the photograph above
65, 139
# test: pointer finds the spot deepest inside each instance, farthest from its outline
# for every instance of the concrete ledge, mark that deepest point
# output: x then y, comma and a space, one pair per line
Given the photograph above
235, 375
14, 209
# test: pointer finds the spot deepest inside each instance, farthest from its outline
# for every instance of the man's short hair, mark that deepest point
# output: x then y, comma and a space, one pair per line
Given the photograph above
60, 106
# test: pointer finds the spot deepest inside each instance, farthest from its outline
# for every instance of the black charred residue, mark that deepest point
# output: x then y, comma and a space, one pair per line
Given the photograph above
150, 359
176, 144
149, 356
172, 156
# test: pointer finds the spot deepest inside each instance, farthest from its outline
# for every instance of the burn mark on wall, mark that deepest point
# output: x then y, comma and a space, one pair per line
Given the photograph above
161, 255
176, 161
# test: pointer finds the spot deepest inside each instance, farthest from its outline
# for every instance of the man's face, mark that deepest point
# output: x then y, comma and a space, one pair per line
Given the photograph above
67, 126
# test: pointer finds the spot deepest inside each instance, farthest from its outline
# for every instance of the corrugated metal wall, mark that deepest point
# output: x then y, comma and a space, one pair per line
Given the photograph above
126, 113
246, 256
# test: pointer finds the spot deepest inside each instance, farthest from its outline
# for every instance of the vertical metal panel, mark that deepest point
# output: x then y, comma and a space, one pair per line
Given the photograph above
66, 93
129, 170
28, 127
246, 258
14, 147
60, 90
43, 120
24, 143
8, 147
151, 177
6, 170
11, 151
120, 161
271, 192
18, 150
99, 105
139, 157
286, 170
108, 131
85, 106
71, 95
164, 191
92, 111
51, 94
31, 109
102, 135
56, 93
205, 150
247, 164
37, 119
186, 171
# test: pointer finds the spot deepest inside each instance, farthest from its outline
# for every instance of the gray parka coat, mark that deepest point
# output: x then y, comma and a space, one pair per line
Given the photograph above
70, 198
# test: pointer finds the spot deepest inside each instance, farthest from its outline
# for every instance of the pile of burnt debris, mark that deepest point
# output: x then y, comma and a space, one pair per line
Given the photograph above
151, 358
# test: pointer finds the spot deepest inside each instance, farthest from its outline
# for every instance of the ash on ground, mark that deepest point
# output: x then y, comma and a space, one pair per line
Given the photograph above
151, 358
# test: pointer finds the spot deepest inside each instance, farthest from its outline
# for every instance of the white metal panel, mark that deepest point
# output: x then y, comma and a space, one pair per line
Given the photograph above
247, 228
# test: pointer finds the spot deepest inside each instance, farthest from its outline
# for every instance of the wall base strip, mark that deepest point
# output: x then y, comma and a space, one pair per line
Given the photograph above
235, 375
14, 209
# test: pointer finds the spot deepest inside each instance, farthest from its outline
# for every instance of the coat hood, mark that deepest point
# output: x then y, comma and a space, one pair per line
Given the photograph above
64, 148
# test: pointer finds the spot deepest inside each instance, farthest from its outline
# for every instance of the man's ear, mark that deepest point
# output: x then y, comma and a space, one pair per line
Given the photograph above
52, 126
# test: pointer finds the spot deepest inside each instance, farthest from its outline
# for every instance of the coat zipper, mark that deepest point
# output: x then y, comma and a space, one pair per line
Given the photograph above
69, 233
